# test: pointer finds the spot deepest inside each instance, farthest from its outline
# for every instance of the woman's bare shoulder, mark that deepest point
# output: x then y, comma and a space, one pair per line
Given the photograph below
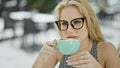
107, 46
108, 51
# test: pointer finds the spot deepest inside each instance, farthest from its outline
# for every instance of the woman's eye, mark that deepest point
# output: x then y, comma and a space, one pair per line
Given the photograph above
77, 22
64, 24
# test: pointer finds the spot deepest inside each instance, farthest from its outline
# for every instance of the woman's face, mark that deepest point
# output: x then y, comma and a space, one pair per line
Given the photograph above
68, 14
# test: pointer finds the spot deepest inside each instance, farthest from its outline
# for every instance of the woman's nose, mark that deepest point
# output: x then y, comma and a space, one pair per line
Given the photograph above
70, 29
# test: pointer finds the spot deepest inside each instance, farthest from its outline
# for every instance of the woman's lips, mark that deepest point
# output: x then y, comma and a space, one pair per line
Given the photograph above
72, 37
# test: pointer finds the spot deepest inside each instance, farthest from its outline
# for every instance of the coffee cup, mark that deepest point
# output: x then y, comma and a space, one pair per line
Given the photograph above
68, 46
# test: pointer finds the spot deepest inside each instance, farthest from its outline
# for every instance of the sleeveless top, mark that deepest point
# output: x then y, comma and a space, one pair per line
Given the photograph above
93, 52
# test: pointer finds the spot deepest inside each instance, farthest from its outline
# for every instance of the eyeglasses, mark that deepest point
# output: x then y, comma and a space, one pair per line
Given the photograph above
76, 24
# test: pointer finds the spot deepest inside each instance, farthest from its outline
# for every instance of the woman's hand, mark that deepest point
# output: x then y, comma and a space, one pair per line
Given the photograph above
44, 57
48, 49
83, 59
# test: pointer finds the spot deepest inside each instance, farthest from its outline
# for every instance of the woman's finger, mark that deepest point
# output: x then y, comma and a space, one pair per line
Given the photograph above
51, 43
78, 62
80, 66
79, 57
81, 53
49, 48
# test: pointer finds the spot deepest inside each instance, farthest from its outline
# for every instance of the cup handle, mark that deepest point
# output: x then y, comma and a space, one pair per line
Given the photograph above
56, 48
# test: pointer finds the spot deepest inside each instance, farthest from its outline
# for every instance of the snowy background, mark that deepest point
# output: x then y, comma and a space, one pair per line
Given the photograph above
23, 32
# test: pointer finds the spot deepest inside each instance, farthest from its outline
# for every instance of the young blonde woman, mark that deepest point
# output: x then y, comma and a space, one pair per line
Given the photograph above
77, 20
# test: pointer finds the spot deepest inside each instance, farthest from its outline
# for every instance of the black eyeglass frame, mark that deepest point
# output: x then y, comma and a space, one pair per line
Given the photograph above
58, 24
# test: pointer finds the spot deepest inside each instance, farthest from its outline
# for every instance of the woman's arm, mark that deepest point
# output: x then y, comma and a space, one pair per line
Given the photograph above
47, 57
119, 49
39, 61
50, 62
112, 57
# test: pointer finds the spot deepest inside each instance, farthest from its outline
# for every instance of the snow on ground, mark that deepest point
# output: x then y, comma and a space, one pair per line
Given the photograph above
15, 58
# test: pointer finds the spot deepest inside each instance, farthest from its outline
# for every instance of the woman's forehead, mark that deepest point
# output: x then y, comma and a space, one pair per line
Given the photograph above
70, 12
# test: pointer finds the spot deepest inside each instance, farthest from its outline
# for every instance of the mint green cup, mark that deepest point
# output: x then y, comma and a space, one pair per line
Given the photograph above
68, 47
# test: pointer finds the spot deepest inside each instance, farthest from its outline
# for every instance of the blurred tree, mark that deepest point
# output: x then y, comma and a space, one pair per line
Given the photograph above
44, 6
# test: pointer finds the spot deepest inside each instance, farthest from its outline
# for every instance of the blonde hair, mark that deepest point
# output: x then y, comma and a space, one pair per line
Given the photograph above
84, 8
